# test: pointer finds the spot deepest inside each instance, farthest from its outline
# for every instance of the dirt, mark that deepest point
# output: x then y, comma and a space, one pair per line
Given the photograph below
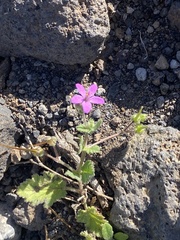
140, 33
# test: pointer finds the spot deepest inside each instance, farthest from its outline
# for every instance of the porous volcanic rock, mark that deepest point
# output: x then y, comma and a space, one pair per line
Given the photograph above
7, 134
64, 32
145, 179
174, 15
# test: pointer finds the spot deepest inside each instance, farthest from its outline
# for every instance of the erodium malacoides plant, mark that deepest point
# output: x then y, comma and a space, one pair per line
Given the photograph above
51, 186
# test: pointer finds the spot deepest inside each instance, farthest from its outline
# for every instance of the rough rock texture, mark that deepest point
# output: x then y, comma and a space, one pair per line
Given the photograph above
145, 179
29, 217
9, 230
174, 15
65, 32
7, 134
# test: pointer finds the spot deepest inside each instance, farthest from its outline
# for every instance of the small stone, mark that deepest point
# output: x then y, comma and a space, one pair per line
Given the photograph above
42, 109
115, 121
150, 29
101, 91
174, 64
130, 66
162, 63
164, 88
119, 32
118, 73
157, 78
156, 24
178, 56
129, 10
36, 133
49, 115
141, 74
96, 114
160, 102
100, 64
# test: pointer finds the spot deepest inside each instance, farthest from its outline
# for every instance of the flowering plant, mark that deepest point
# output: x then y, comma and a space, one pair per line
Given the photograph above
86, 97
51, 186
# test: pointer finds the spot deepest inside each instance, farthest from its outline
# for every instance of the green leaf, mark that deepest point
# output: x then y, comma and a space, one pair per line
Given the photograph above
81, 144
46, 188
139, 117
73, 175
92, 219
140, 128
97, 124
87, 171
120, 236
87, 235
107, 231
89, 127
91, 149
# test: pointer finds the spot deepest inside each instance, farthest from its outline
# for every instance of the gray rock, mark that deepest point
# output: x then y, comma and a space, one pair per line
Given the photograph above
64, 32
174, 64
160, 101
157, 78
96, 114
29, 217
141, 74
162, 63
130, 66
7, 133
173, 15
164, 87
145, 179
178, 56
9, 230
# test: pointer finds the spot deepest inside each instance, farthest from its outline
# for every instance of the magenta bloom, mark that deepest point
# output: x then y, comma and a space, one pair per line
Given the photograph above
86, 97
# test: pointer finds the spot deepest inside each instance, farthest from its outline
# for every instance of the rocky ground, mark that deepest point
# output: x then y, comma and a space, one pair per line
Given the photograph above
140, 66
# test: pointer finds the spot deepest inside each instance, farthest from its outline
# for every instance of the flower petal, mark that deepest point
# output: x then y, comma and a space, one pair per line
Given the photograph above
92, 90
77, 99
96, 100
87, 106
81, 89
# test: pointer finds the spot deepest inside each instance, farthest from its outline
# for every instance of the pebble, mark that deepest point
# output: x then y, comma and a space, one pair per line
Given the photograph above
157, 78
156, 24
160, 102
42, 109
164, 88
118, 73
174, 64
96, 114
150, 29
141, 74
115, 121
130, 66
178, 56
162, 63
8, 229
101, 91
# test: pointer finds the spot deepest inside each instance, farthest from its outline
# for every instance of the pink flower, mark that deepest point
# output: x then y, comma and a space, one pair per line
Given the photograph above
86, 97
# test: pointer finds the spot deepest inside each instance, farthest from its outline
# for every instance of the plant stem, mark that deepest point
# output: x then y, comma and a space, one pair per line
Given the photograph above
112, 136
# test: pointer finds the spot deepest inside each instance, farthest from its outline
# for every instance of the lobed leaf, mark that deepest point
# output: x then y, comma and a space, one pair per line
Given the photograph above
139, 117
91, 149
120, 236
89, 127
87, 171
93, 221
107, 231
46, 188
73, 175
